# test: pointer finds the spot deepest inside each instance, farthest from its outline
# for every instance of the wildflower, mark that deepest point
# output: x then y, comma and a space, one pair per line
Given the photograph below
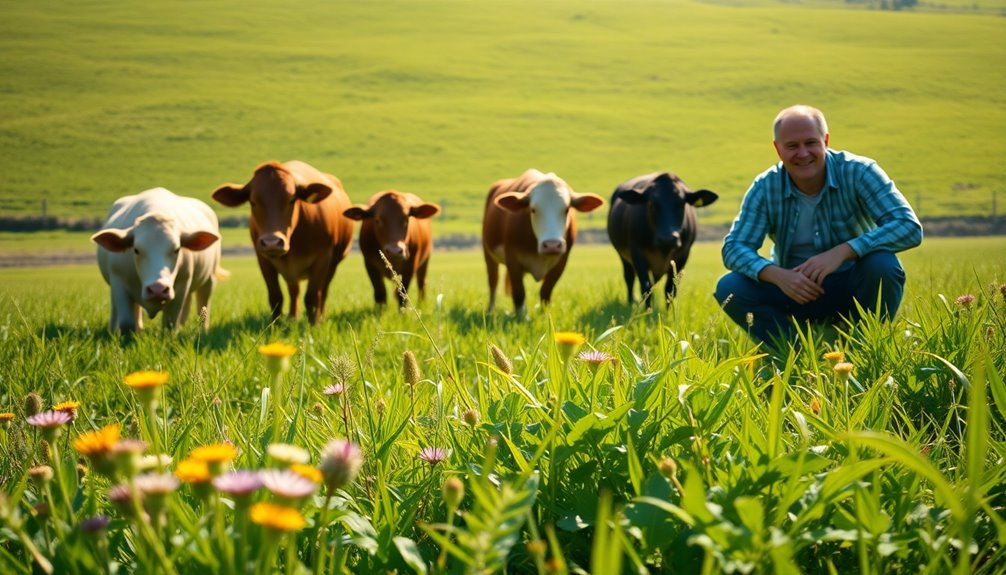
94, 525
568, 341
41, 474
453, 492
50, 422
501, 360
146, 384
41, 512
410, 368
32, 404
1002, 290
97, 447
277, 356
122, 498
5, 418
340, 462
842, 371
192, 470
749, 319
128, 454
215, 455
668, 467
277, 517
594, 357
287, 454
158, 461
238, 484
965, 300
335, 389
380, 406
434, 455
307, 472
834, 357
67, 406
341, 368
287, 484
815, 406
155, 488
471, 417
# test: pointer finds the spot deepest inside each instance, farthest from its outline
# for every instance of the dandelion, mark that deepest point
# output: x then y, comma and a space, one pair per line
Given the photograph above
215, 455
193, 470
410, 368
340, 462
142, 380
240, 484
6, 418
277, 356
434, 455
286, 454
594, 357
287, 484
501, 360
834, 357
277, 517
334, 389
50, 422
965, 300
843, 370
568, 342
67, 406
307, 472
98, 446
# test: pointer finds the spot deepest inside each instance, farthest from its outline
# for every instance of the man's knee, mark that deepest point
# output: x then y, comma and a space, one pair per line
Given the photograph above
880, 267
730, 286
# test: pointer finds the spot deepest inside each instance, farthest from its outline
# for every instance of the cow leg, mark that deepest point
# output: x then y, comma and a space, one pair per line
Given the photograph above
630, 278
406, 282
125, 313
421, 279
271, 277
375, 271
552, 278
493, 271
515, 278
643, 273
336, 258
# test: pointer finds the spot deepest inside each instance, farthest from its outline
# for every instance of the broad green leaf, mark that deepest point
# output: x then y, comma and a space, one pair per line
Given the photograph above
410, 554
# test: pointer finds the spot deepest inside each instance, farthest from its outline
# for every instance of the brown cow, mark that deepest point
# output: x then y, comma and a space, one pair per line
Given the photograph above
398, 225
529, 227
297, 229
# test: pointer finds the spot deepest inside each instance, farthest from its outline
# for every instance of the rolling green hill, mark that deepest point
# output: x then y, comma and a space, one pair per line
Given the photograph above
442, 97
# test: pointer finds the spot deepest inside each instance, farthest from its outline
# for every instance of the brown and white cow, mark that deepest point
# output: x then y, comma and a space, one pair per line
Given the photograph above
652, 226
530, 228
297, 228
155, 250
398, 225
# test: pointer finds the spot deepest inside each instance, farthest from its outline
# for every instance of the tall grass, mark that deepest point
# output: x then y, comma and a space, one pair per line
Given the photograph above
676, 447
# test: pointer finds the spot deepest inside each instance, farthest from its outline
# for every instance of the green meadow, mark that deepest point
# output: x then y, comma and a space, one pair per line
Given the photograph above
441, 98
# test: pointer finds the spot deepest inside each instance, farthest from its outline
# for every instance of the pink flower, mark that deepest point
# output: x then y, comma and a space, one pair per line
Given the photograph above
50, 419
335, 389
965, 300
286, 484
434, 455
340, 462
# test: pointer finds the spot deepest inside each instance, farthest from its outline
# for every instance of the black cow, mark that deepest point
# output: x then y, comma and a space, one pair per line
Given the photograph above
651, 223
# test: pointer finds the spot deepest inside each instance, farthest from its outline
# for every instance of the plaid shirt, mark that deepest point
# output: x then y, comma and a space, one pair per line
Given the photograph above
859, 205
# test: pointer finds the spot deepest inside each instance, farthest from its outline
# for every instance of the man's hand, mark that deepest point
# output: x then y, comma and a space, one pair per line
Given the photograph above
794, 284
820, 266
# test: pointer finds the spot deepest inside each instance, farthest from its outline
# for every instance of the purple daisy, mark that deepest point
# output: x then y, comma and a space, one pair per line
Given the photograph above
238, 483
94, 525
50, 419
286, 484
335, 389
594, 357
434, 455
156, 483
340, 462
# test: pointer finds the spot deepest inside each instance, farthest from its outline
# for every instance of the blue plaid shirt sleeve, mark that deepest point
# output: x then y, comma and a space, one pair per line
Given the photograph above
897, 226
748, 232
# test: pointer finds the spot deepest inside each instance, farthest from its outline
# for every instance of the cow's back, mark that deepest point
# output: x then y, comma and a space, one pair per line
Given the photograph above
322, 223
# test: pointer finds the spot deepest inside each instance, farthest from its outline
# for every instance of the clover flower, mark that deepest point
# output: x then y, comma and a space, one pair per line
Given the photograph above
154, 461
287, 484
340, 462
965, 300
128, 455
277, 517
156, 484
287, 454
122, 497
434, 455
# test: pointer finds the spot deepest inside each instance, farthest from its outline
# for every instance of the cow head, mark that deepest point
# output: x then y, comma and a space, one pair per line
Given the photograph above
548, 200
275, 195
156, 243
665, 198
389, 214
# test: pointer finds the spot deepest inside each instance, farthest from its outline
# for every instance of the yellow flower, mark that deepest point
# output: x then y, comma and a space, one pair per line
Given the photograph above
277, 350
146, 379
193, 471
307, 472
815, 406
215, 453
835, 357
278, 517
97, 443
569, 338
6, 416
70, 406
843, 368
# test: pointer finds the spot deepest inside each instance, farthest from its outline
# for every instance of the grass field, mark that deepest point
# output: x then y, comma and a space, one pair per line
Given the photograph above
443, 97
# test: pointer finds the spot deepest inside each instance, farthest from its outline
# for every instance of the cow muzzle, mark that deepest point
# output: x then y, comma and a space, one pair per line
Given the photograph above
273, 245
552, 247
396, 252
669, 242
158, 293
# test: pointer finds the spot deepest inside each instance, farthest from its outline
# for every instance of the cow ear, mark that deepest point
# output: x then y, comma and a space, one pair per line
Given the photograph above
585, 202
198, 241
358, 213
114, 240
314, 193
423, 211
232, 195
701, 198
631, 197
513, 202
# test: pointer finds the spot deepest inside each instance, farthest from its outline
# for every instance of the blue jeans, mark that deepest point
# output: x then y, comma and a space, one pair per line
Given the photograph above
877, 273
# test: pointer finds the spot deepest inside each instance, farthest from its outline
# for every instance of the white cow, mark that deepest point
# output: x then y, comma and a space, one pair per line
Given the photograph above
154, 250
